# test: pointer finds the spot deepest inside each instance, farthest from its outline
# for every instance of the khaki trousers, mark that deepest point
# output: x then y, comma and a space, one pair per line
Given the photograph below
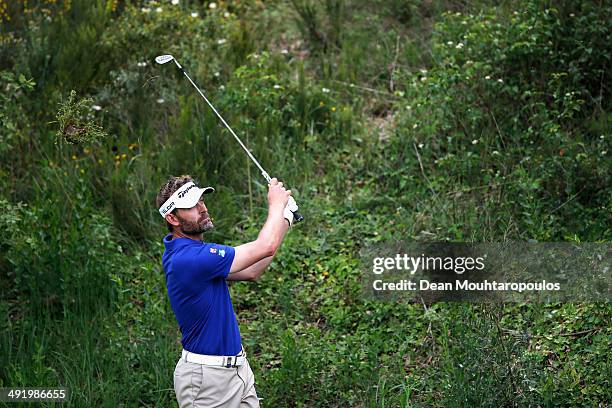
198, 385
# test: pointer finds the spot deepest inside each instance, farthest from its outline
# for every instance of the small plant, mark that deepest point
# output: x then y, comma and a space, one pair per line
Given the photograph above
75, 121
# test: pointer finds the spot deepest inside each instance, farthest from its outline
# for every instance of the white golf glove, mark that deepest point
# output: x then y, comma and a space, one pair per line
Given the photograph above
290, 208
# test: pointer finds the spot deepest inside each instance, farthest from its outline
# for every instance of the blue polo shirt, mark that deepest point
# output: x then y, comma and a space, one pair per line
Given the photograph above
195, 278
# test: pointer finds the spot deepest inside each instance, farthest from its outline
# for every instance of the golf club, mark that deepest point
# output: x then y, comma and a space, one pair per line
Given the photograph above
163, 59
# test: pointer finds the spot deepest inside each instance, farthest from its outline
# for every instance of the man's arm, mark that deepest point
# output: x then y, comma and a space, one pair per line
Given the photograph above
253, 272
269, 239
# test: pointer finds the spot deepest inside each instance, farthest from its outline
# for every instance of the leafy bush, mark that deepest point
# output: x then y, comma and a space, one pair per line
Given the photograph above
504, 108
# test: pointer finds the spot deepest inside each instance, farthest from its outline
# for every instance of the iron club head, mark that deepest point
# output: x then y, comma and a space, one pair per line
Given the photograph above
162, 59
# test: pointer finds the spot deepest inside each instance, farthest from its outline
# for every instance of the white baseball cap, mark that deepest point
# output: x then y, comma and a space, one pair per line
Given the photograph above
185, 197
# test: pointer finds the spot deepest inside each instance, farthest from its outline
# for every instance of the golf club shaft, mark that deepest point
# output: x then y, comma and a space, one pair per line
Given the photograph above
297, 217
263, 172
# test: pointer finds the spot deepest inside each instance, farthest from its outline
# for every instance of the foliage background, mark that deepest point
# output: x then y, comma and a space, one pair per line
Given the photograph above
437, 120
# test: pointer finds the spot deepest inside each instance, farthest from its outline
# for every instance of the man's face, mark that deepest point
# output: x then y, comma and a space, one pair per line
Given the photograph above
194, 220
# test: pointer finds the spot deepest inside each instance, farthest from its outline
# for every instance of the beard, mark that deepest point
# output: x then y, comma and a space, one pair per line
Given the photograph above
195, 227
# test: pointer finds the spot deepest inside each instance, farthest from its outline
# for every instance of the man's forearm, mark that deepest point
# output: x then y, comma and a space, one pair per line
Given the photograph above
255, 271
260, 267
274, 229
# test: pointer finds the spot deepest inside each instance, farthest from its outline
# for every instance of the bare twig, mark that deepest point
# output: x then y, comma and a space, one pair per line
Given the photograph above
497, 127
429, 332
416, 150
580, 332
568, 200
394, 63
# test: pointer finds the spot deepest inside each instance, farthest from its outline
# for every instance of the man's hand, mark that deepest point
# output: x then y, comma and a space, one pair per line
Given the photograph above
278, 196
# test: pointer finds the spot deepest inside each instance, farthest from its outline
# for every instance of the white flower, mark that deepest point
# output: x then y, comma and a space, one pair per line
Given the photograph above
421, 145
142, 64
423, 71
459, 46
488, 77
602, 137
226, 14
276, 86
212, 6
145, 10
159, 10
409, 107
604, 152
475, 141
572, 15
449, 43
423, 79
221, 41
175, 2
222, 87
284, 51
96, 107
194, 14
161, 100
501, 81
495, 152
415, 126
217, 74
325, 90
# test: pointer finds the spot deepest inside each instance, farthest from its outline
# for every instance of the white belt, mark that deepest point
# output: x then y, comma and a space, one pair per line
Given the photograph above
219, 361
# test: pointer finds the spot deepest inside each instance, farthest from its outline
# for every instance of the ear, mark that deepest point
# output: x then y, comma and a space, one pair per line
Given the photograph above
171, 218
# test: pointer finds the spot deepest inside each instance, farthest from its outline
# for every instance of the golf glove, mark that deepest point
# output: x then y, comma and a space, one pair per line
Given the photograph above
290, 208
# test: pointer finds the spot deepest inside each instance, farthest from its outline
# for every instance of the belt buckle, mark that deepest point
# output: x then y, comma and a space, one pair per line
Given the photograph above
229, 362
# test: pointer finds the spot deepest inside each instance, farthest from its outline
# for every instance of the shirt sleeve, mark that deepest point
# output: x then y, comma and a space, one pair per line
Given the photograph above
211, 261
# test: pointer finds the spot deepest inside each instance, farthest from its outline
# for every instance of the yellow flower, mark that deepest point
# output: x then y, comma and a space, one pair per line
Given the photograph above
123, 156
117, 157
333, 109
100, 161
74, 157
86, 151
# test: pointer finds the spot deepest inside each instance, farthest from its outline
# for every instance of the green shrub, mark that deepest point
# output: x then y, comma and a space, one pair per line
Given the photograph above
504, 108
59, 258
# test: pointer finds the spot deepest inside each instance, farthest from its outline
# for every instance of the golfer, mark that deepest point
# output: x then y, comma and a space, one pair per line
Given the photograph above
213, 370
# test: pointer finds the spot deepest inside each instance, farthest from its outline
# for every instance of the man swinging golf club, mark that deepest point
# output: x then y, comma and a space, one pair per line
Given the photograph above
213, 370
